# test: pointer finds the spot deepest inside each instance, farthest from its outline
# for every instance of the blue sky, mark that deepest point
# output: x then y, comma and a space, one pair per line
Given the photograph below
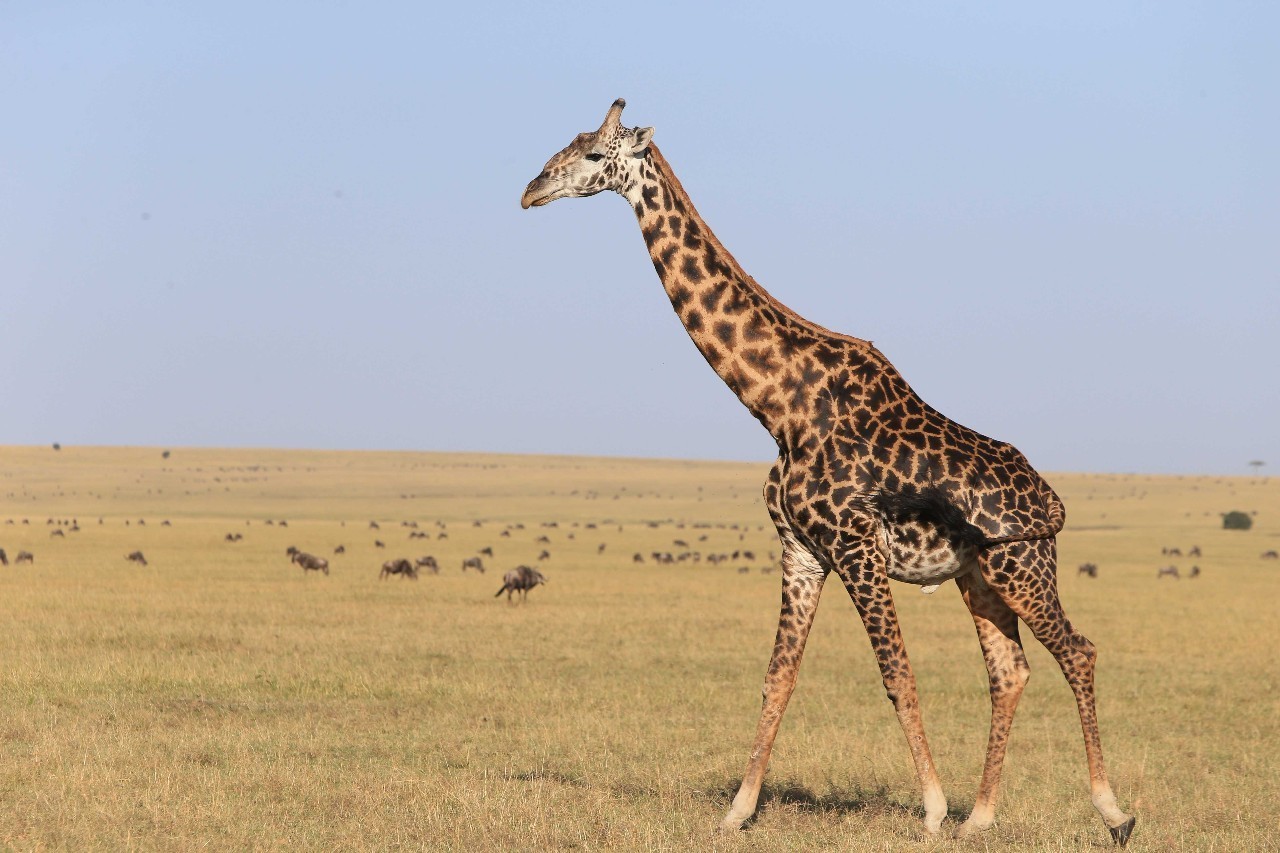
298, 224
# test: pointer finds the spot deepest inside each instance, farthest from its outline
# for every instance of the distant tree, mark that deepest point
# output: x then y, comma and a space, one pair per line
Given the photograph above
57, 446
1236, 520
164, 455
1256, 464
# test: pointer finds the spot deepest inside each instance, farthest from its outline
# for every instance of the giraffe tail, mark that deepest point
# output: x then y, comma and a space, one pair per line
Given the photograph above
1056, 517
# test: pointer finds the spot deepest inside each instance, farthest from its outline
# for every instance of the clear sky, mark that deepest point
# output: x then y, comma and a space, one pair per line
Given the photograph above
297, 224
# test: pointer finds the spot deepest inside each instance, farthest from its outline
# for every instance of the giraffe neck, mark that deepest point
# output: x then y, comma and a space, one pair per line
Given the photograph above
766, 353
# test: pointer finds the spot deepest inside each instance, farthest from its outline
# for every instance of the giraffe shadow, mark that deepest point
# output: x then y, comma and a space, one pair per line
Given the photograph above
877, 799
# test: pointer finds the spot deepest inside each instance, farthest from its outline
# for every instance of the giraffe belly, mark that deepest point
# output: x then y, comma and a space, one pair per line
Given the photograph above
924, 555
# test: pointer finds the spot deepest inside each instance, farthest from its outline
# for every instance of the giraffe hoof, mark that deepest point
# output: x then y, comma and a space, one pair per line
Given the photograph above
1120, 834
970, 829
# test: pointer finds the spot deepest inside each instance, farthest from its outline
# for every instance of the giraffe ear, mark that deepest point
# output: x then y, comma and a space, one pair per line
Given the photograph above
640, 140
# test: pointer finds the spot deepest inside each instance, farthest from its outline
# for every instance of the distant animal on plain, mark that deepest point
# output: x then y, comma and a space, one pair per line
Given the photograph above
1194, 552
233, 537
429, 563
58, 532
1194, 573
1171, 552
520, 579
341, 549
473, 563
1167, 572
378, 543
373, 525
1090, 569
637, 557
742, 570
24, 557
545, 555
600, 548
1270, 555
137, 557
486, 551
400, 567
4, 558
542, 540
310, 562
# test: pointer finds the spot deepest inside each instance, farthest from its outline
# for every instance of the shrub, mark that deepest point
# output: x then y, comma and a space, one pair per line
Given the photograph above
1236, 520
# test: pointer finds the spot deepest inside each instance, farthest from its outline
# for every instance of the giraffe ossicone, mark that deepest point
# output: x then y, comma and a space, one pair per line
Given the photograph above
871, 483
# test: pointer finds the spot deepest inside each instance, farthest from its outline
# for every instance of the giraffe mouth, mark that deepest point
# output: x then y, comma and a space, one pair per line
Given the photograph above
537, 194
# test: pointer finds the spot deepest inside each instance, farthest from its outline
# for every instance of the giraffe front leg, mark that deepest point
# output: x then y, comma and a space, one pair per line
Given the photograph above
802, 581
862, 568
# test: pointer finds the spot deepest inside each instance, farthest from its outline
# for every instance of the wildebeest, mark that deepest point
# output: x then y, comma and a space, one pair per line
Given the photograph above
1194, 552
400, 567
1270, 555
378, 543
473, 563
341, 549
429, 563
545, 555
520, 579
4, 558
24, 557
1194, 573
1167, 571
487, 551
233, 537
137, 557
309, 562
1090, 569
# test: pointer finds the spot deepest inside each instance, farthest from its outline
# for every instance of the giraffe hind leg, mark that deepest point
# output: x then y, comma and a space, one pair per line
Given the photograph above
1024, 575
1007, 671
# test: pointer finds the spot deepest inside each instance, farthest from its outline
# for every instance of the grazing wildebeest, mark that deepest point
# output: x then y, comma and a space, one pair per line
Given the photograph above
1194, 573
341, 549
742, 570
1090, 569
1194, 552
310, 562
4, 558
137, 557
378, 543
600, 548
233, 537
1167, 571
400, 567
429, 563
637, 557
24, 557
487, 551
373, 525
542, 540
58, 532
473, 563
1270, 555
520, 579
545, 555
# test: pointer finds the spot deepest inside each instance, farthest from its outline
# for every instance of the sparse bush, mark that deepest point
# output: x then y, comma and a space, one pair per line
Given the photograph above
1236, 520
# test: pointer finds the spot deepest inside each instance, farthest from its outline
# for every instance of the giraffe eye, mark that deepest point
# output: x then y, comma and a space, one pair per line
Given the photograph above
594, 157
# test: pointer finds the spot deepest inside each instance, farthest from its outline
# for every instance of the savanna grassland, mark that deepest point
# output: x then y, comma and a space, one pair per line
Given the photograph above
219, 697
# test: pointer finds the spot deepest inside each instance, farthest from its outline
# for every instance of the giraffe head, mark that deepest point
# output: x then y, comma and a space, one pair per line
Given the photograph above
608, 159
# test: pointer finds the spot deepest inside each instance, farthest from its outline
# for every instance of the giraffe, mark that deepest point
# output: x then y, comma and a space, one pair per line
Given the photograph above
871, 483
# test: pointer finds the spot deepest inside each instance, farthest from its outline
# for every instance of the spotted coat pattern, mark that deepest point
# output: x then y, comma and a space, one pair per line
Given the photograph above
871, 482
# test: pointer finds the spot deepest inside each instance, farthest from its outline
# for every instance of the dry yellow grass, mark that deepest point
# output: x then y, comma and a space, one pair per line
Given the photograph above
219, 698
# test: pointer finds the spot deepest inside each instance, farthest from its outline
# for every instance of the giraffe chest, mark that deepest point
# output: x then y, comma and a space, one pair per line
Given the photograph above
920, 553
